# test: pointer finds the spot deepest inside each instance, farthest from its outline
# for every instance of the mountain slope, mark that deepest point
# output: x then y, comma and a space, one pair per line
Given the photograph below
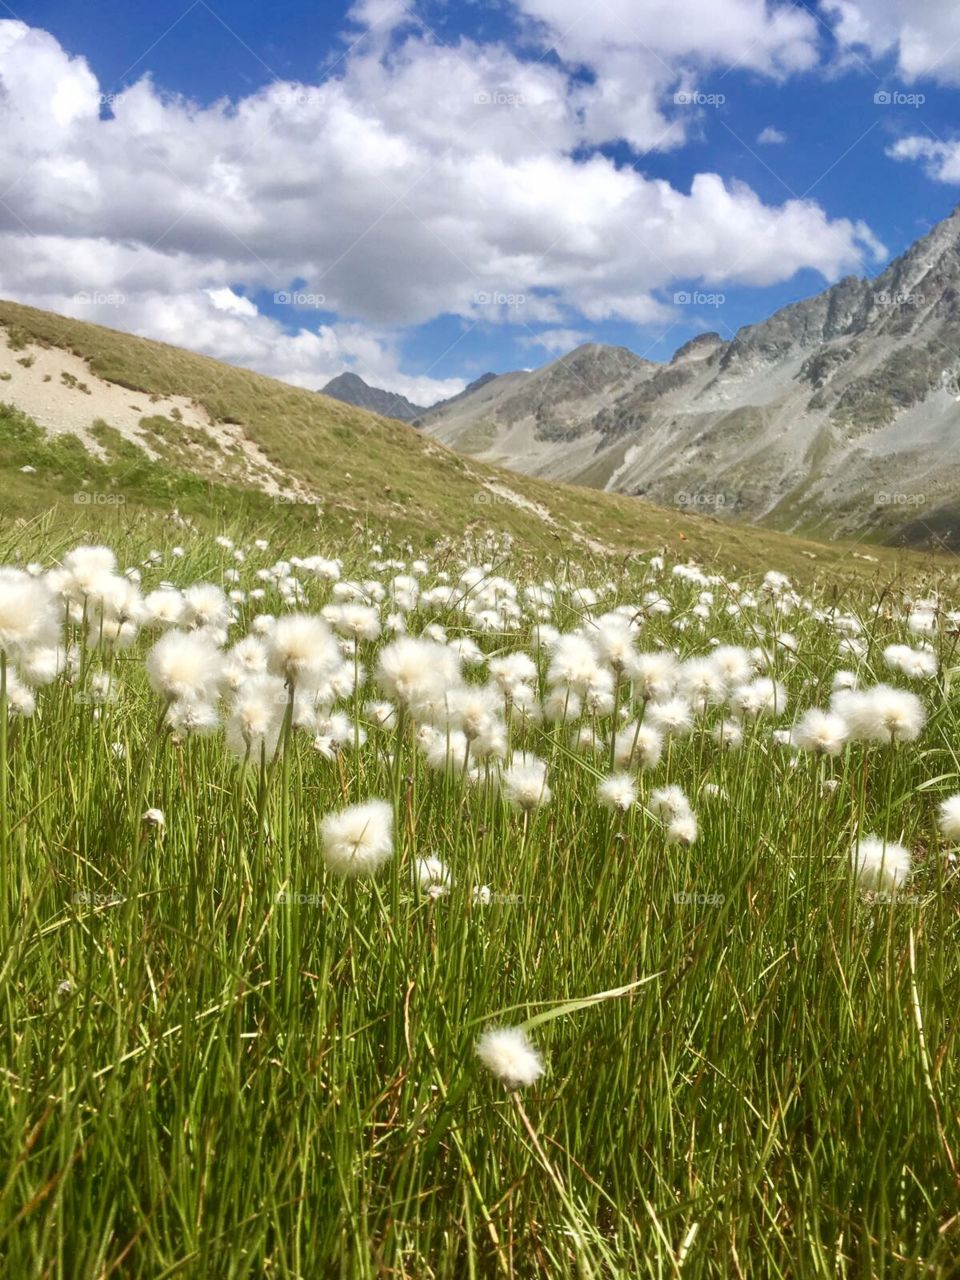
97, 423
351, 389
538, 421
838, 414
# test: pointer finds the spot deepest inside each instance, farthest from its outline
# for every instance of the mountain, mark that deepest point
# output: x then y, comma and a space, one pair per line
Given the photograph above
96, 424
534, 421
839, 414
351, 389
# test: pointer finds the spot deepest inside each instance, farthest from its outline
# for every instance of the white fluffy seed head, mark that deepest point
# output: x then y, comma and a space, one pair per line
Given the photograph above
524, 782
617, 792
879, 866
184, 664
29, 614
357, 841
881, 714
637, 746
822, 732
417, 673
301, 649
669, 803
949, 818
431, 876
508, 1054
255, 718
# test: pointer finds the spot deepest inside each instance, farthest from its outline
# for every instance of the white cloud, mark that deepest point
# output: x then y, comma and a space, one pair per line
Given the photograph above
556, 342
413, 182
923, 34
771, 136
940, 160
232, 303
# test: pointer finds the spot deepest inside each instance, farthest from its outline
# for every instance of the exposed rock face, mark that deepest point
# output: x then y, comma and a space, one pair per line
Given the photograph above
841, 412
351, 389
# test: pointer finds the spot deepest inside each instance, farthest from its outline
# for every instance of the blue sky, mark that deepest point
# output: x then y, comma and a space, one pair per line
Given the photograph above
425, 191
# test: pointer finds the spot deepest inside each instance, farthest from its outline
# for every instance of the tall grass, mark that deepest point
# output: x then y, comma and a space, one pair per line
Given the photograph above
220, 1061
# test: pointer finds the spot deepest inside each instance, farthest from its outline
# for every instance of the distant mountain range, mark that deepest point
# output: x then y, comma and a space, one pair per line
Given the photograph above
350, 388
839, 414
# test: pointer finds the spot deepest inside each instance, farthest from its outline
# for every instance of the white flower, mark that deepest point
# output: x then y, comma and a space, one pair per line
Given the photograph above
618, 791
474, 709
358, 840
881, 714
655, 676
20, 699
513, 670
728, 734
669, 803
164, 607
381, 713
431, 876
524, 782
637, 746
83, 567
670, 718
562, 704
185, 664
417, 672
354, 621
823, 732
573, 663
192, 715
509, 1055
916, 664
949, 817
682, 830
732, 662
205, 605
255, 717
154, 818
301, 649
879, 866
29, 614
762, 696
42, 666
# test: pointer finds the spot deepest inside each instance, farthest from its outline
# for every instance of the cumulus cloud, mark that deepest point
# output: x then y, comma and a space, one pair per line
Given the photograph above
380, 209
940, 160
923, 34
771, 136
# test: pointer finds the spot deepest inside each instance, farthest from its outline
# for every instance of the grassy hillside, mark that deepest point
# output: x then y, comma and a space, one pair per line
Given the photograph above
359, 468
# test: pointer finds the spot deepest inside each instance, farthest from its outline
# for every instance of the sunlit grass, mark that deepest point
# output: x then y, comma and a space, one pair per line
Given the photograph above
220, 1059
